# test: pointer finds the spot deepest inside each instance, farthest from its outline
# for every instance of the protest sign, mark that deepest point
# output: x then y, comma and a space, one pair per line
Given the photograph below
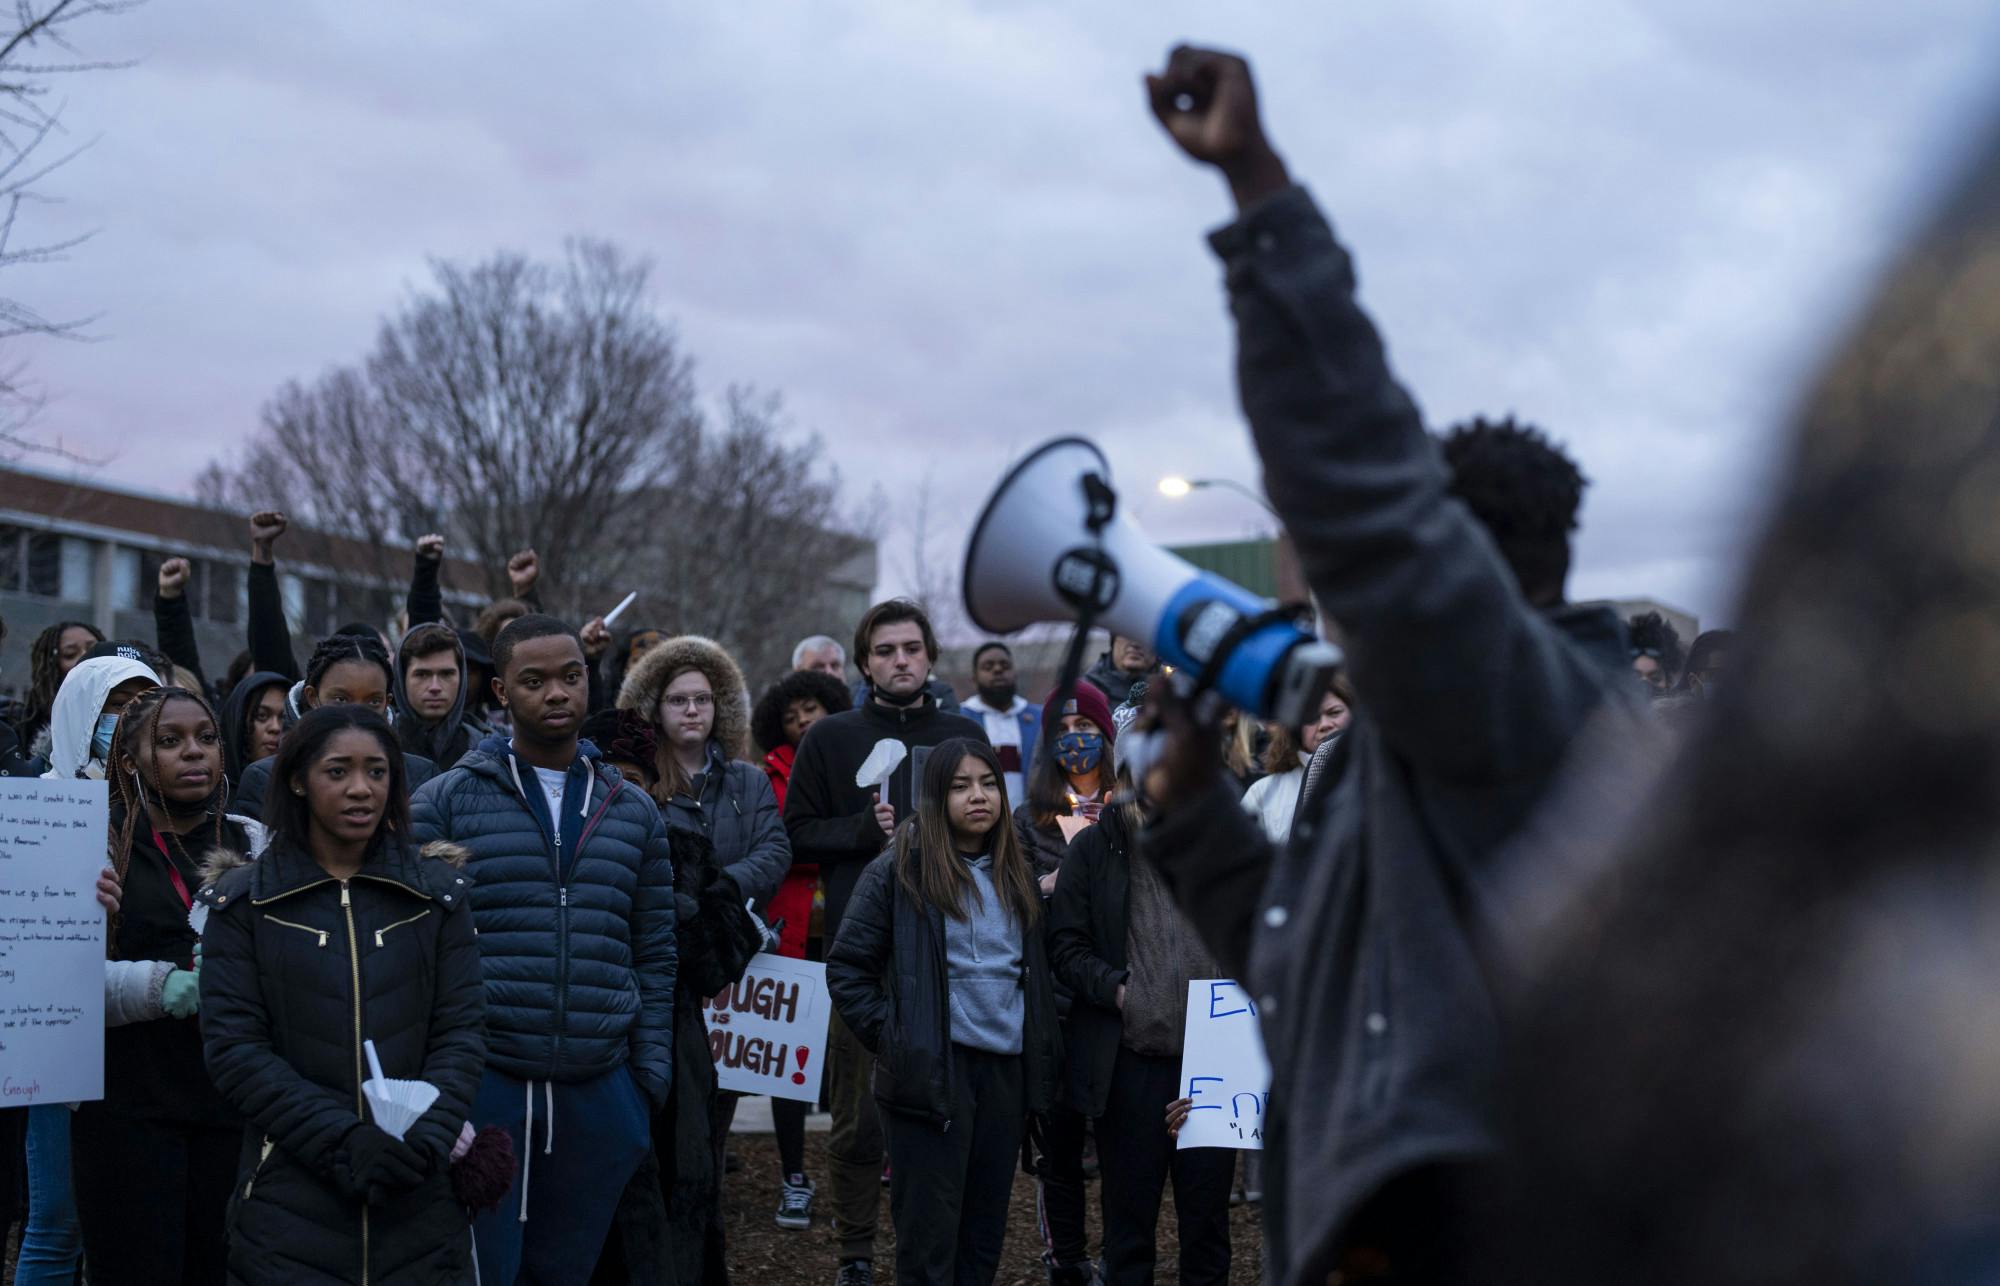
51, 941
1223, 1068
767, 1031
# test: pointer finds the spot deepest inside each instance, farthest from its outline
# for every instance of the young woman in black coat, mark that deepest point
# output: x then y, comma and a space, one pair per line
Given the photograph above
940, 970
342, 932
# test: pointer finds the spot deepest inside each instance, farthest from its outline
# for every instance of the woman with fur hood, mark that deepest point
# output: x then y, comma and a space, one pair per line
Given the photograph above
694, 694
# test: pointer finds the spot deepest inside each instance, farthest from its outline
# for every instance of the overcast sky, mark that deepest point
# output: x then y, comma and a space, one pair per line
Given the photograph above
947, 231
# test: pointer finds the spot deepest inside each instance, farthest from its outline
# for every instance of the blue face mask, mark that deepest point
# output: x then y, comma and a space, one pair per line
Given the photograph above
100, 740
1079, 752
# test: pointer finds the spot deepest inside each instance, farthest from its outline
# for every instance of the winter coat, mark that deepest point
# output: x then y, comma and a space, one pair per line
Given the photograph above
173, 630
1045, 844
735, 808
256, 782
577, 929
236, 721
791, 907
298, 969
270, 636
1088, 926
830, 819
1361, 939
15, 761
886, 972
1273, 801
442, 741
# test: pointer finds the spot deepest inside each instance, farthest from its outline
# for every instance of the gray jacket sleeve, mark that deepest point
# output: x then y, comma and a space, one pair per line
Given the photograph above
767, 855
1467, 682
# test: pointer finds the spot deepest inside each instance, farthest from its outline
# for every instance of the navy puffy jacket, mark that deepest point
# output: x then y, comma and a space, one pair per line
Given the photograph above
579, 966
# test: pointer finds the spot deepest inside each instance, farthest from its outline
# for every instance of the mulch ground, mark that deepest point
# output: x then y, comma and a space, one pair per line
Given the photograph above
763, 1254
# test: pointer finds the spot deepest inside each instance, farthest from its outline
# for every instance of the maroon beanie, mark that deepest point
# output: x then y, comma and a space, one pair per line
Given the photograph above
1089, 702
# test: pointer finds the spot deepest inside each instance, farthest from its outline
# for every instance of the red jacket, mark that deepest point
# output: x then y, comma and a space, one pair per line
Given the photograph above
794, 900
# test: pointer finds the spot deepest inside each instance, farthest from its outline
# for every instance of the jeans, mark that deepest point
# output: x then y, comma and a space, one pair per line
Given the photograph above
52, 1241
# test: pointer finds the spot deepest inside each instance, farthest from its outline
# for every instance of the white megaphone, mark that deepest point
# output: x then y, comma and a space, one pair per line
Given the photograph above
1051, 545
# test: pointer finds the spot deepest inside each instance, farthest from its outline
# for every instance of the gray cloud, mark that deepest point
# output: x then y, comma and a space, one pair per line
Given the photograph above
947, 232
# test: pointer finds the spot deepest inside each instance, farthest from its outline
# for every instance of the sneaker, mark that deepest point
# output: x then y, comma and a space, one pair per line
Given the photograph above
856, 1272
795, 1203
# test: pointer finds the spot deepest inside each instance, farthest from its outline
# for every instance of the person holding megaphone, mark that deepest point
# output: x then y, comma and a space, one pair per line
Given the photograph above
1444, 570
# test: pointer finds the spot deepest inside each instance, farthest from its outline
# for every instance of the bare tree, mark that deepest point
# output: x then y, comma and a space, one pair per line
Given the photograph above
514, 404
932, 567
35, 53
518, 404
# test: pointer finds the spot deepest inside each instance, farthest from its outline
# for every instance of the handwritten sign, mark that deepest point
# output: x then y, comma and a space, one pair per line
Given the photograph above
767, 1031
1223, 1068
51, 941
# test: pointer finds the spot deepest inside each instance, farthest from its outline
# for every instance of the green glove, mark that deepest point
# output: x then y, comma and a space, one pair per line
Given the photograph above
180, 995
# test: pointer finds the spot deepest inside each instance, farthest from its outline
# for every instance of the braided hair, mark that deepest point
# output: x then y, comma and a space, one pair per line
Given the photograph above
45, 674
138, 725
336, 648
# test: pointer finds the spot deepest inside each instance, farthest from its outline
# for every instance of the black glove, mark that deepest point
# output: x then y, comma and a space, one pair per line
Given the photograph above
374, 1166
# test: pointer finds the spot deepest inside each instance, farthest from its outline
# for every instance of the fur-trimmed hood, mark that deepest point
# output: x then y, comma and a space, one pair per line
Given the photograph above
647, 679
218, 862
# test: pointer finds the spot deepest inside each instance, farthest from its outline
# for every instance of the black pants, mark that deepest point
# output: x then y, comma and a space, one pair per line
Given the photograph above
1138, 1157
1062, 1193
151, 1197
949, 1189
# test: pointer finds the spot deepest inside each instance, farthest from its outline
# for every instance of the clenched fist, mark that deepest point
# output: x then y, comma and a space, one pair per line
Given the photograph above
430, 547
1208, 103
596, 639
523, 570
266, 525
174, 577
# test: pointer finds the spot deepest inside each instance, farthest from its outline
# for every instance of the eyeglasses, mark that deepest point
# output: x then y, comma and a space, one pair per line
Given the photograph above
697, 701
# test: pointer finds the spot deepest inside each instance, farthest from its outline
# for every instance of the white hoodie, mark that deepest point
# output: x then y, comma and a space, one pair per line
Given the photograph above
73, 715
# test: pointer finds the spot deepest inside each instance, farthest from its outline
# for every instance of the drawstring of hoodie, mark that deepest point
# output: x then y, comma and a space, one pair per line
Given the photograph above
528, 1135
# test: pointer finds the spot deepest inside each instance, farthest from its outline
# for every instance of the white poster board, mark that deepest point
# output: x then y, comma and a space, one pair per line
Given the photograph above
767, 1031
51, 941
1223, 1068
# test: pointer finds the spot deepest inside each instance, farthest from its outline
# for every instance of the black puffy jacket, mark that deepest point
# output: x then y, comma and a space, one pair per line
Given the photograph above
886, 973
297, 970
1088, 922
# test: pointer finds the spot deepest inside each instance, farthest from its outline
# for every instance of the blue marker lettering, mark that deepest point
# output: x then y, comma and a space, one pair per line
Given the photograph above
1195, 1093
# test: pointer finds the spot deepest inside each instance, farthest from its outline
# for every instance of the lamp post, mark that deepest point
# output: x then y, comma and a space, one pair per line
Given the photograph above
1175, 487
1291, 583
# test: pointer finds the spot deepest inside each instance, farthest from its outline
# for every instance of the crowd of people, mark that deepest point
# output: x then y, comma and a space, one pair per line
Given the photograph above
517, 854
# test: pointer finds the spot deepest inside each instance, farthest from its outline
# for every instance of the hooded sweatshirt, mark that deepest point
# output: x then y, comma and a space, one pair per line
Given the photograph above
73, 716
447, 740
236, 719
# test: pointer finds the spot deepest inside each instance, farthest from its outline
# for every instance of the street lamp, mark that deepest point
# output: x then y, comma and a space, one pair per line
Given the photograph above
1175, 487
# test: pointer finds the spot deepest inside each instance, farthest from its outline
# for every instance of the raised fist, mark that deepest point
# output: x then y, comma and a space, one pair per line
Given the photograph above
596, 639
266, 525
1208, 103
431, 546
523, 570
174, 577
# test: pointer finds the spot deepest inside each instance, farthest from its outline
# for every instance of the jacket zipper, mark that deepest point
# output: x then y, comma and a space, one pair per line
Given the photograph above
562, 905
303, 928
397, 925
360, 1104
263, 1155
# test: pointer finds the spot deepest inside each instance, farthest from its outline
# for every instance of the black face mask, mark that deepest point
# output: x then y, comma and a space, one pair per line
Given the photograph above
998, 698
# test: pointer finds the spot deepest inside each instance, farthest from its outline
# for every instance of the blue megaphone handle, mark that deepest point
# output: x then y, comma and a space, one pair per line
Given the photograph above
1247, 672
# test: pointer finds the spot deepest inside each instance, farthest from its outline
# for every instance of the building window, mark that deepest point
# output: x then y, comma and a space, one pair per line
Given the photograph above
44, 565
13, 545
126, 594
222, 593
79, 570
